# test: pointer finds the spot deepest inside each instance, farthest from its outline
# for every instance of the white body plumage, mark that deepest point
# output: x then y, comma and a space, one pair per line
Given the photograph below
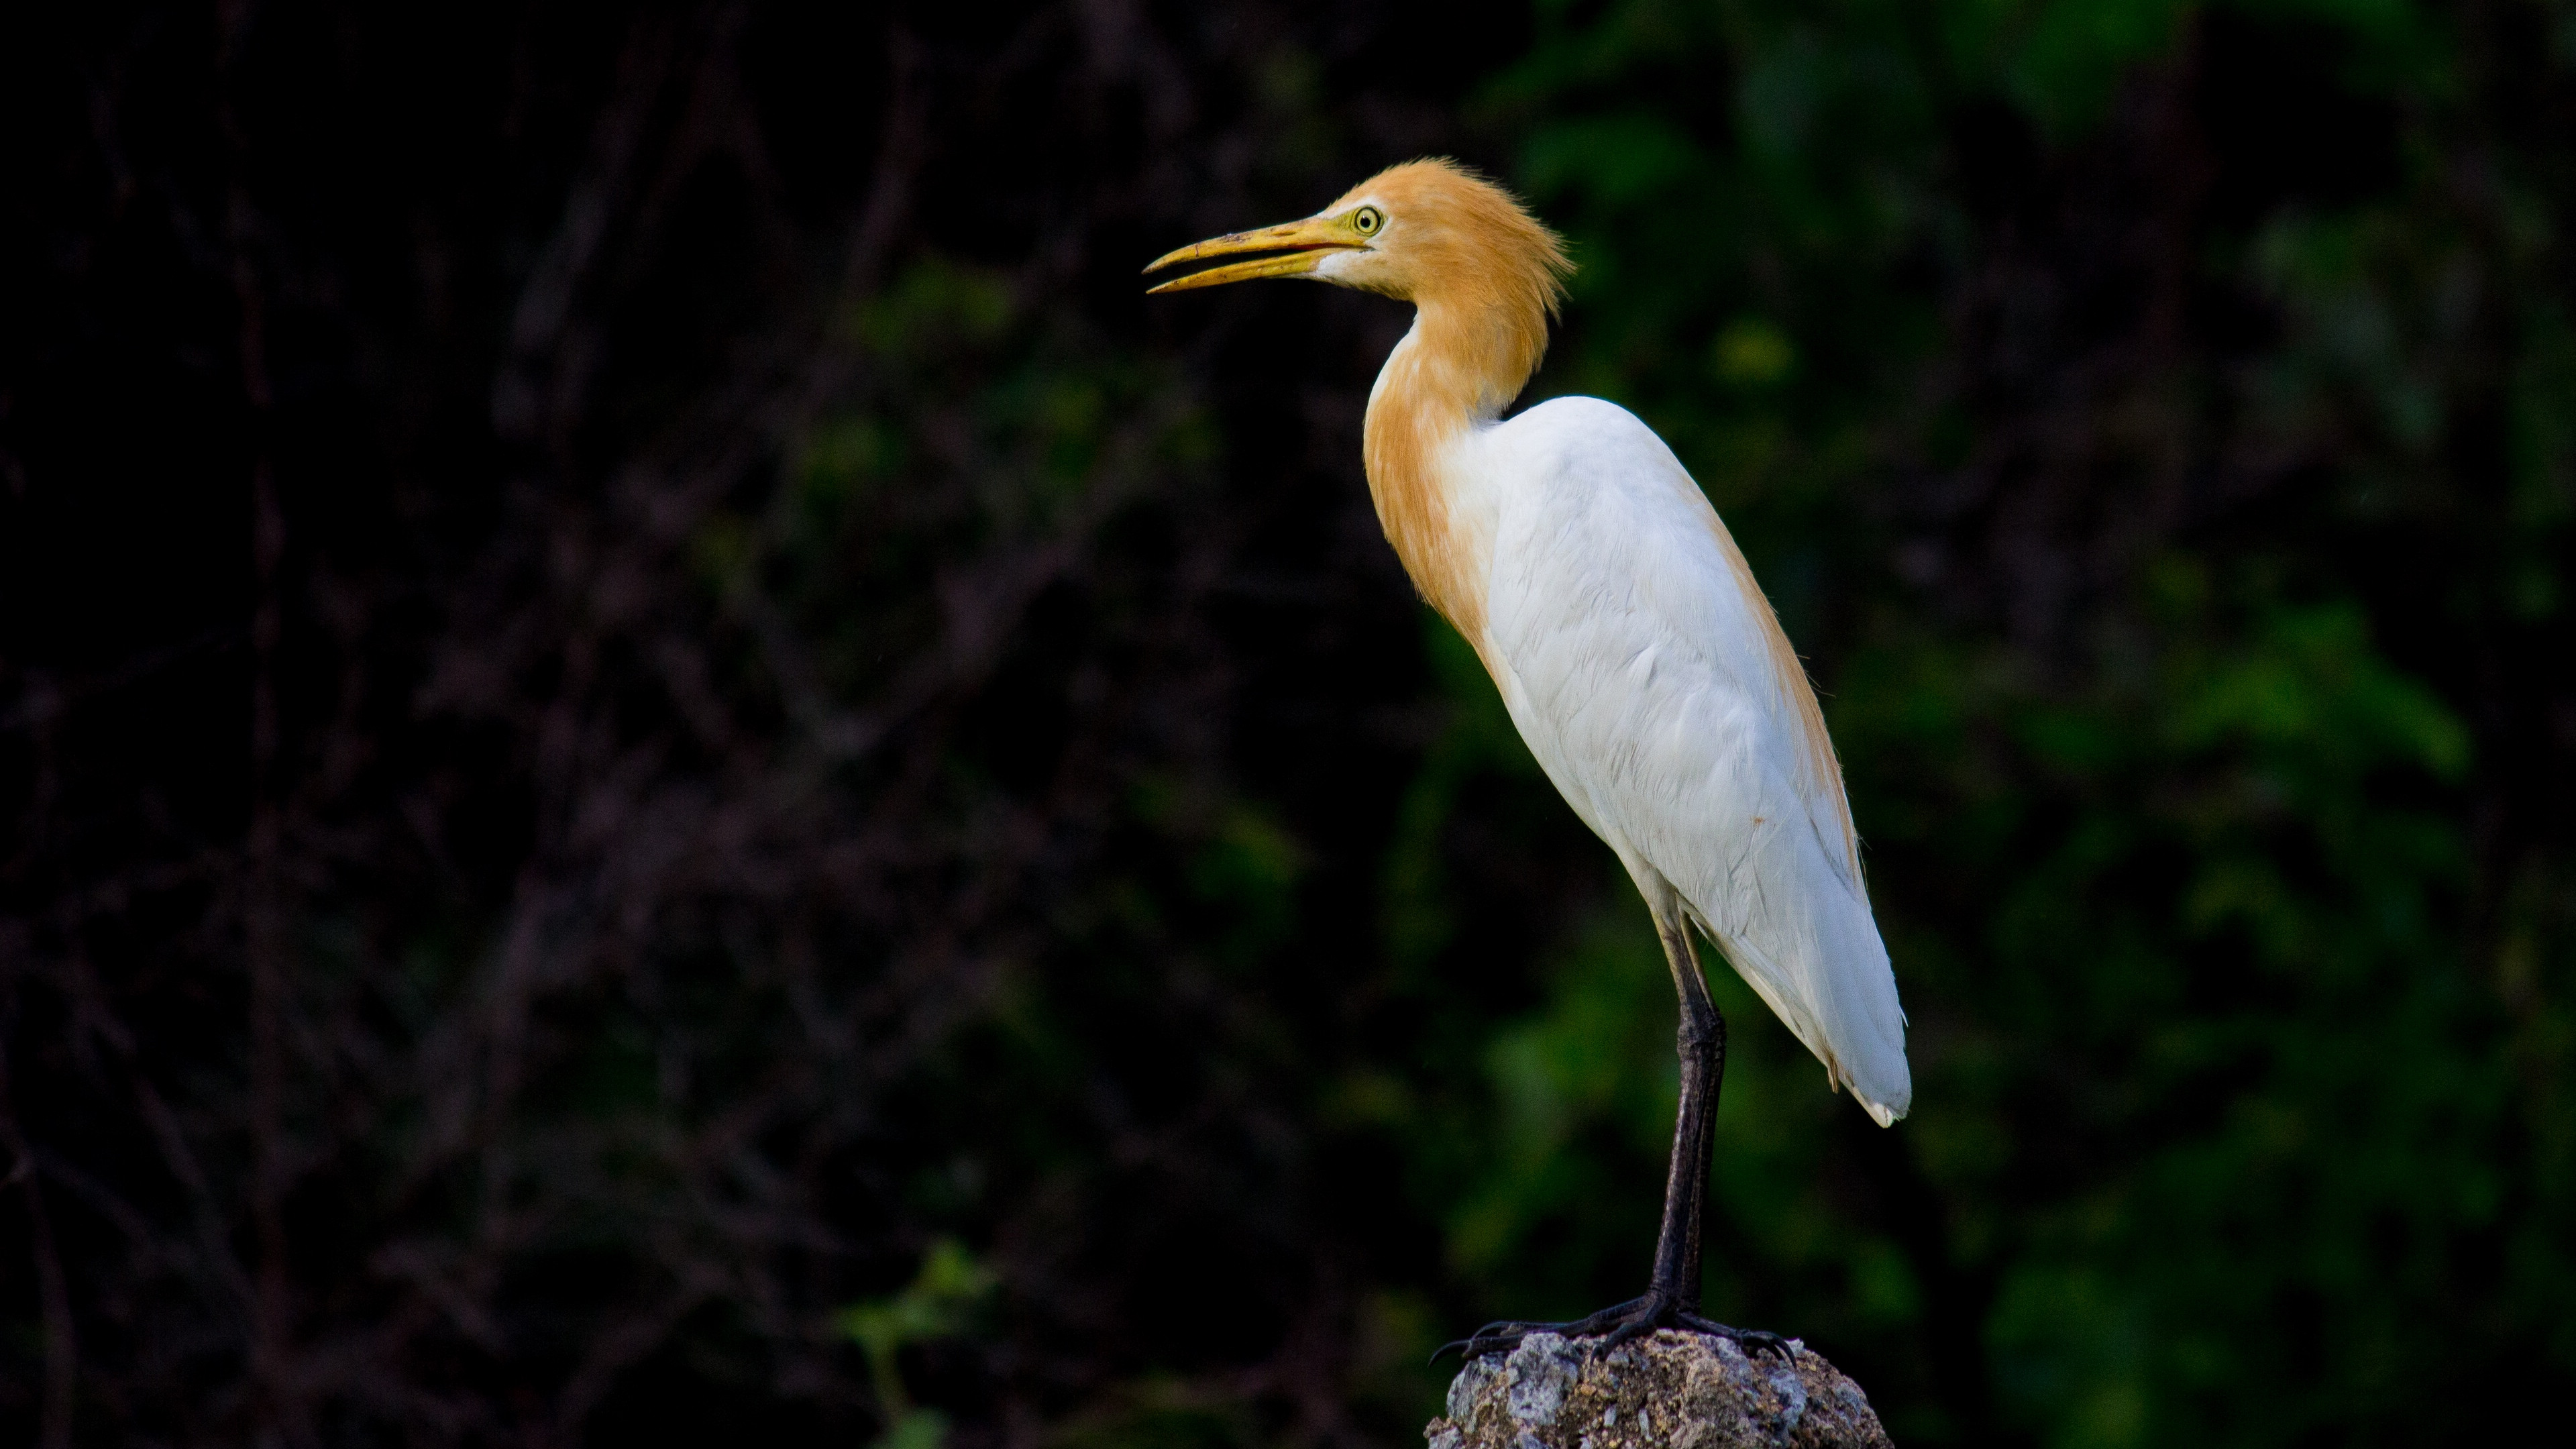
1633, 655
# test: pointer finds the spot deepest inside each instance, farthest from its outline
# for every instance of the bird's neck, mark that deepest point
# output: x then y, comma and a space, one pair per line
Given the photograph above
1450, 377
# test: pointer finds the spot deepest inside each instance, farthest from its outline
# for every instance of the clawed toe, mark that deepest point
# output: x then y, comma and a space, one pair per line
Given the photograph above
1621, 1324
1494, 1337
1628, 1332
1751, 1340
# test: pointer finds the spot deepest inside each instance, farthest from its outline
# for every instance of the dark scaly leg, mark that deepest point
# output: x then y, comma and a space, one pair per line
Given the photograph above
1672, 1293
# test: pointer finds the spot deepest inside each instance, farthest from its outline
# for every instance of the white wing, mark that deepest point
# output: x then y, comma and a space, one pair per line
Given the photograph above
1651, 680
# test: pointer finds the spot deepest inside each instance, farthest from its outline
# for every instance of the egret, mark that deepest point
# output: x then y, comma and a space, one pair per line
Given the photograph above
1636, 654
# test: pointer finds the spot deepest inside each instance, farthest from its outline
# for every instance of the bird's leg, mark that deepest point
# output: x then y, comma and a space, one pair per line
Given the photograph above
1701, 1045
1672, 1293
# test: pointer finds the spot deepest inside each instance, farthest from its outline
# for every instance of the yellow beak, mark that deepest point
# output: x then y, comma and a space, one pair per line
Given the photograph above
1305, 243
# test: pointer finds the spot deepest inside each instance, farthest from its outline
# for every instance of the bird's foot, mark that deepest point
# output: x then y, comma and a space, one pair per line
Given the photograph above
1615, 1325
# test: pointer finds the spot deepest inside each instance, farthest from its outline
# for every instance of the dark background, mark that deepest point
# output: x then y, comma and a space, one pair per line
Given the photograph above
673, 770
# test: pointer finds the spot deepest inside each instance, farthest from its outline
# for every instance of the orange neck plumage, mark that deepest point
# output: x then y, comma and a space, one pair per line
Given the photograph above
1464, 361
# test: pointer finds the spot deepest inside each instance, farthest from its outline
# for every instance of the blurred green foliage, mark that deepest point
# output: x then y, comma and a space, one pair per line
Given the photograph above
938, 1303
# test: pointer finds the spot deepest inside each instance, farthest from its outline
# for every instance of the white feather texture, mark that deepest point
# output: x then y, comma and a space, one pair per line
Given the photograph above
1628, 649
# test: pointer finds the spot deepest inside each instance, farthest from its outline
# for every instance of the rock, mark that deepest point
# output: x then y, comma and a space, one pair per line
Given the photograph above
1670, 1391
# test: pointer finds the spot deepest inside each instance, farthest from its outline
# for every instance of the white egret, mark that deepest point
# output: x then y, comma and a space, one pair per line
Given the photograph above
1637, 655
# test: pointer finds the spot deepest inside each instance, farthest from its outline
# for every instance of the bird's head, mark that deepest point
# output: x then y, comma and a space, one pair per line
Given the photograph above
1428, 232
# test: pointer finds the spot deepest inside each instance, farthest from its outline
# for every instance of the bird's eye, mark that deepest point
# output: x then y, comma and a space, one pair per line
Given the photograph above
1367, 220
